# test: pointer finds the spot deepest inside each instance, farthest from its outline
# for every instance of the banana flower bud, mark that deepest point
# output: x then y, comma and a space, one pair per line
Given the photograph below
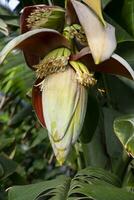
64, 106
64, 99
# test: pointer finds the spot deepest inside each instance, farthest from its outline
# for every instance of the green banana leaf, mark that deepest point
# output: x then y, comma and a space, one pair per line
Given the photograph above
89, 183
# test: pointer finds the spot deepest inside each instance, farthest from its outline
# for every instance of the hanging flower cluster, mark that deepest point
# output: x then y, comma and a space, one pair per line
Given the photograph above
65, 48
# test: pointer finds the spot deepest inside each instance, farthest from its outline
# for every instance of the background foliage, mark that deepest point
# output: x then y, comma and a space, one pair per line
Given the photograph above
25, 153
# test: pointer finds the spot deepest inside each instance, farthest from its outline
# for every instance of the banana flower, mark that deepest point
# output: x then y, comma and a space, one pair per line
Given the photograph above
59, 95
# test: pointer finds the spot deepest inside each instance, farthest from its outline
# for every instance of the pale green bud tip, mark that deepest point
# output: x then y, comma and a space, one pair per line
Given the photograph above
97, 61
60, 157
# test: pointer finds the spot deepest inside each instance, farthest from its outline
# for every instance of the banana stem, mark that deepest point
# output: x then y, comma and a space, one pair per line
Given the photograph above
50, 3
79, 162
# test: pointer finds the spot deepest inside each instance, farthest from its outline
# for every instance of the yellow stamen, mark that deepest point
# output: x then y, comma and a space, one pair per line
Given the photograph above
50, 66
76, 31
55, 61
83, 76
38, 16
86, 79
